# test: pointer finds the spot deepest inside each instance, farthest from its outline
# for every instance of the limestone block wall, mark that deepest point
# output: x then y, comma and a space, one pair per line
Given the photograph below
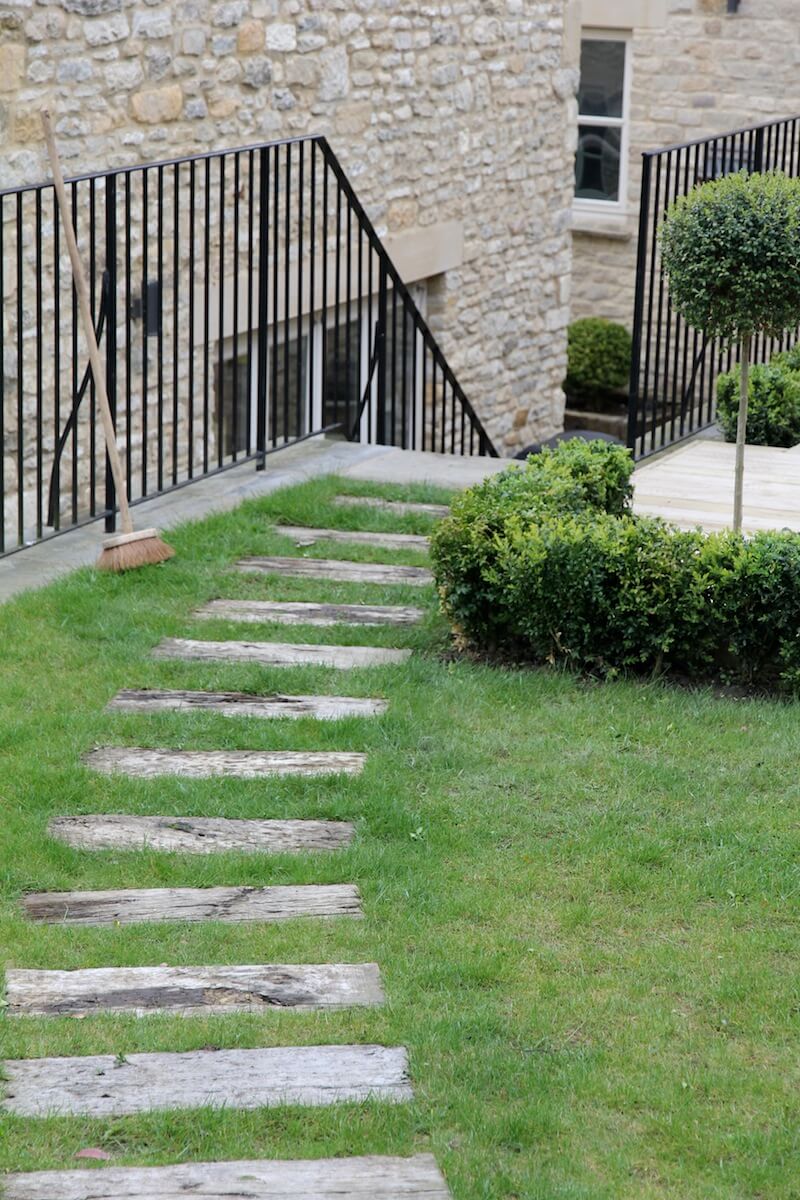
440, 111
702, 72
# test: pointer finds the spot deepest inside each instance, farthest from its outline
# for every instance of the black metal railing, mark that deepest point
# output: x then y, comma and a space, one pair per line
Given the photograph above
244, 302
674, 371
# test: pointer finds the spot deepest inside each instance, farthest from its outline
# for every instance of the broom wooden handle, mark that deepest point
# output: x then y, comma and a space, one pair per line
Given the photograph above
85, 310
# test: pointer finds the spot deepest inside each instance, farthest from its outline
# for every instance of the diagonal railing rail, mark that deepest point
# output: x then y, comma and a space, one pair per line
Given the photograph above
245, 302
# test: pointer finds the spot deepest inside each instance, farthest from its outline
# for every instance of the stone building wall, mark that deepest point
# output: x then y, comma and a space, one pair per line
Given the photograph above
702, 71
440, 111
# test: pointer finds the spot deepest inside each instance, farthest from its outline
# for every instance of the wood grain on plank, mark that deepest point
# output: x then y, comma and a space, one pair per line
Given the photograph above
285, 612
369, 1178
281, 654
242, 704
236, 764
304, 535
229, 904
338, 570
397, 506
102, 1086
191, 991
199, 835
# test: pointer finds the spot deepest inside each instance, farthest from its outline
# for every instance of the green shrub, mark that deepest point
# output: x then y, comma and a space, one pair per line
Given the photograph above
598, 357
773, 411
538, 566
575, 477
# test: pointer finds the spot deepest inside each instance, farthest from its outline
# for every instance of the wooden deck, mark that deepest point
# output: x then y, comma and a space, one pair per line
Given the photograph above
693, 485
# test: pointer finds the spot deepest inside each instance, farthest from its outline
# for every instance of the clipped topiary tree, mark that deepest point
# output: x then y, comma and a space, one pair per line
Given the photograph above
731, 252
598, 357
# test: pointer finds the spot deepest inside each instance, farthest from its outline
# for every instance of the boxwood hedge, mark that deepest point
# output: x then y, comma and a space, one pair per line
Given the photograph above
547, 563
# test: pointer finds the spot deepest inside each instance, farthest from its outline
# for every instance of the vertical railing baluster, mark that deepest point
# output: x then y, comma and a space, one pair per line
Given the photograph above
92, 386
39, 370
337, 297
56, 368
250, 284
300, 426
219, 396
235, 364
191, 283
111, 335
206, 310
312, 293
160, 331
263, 308
145, 339
20, 379
128, 337
287, 275
276, 233
177, 243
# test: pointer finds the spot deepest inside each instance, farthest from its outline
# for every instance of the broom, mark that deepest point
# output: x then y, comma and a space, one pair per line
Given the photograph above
130, 548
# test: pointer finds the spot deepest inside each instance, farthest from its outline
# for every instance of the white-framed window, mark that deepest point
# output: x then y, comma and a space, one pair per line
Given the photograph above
601, 159
308, 398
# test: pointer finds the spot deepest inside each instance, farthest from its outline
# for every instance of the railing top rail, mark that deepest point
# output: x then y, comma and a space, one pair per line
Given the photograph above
132, 169
720, 137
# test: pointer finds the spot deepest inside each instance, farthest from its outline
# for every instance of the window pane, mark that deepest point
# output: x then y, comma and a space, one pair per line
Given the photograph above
341, 391
602, 78
597, 162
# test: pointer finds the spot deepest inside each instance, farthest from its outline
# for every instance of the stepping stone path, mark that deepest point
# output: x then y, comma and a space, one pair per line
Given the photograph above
401, 507
200, 835
298, 613
241, 704
282, 654
336, 570
229, 904
103, 1086
237, 764
304, 535
98, 1085
191, 991
321, 1178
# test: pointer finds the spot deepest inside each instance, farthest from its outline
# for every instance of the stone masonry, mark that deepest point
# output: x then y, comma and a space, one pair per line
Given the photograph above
704, 72
439, 110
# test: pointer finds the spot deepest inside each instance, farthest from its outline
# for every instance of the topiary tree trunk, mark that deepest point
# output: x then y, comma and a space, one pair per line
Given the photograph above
741, 433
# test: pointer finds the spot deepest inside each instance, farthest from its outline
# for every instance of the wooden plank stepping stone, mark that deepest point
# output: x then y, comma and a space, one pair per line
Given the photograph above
200, 835
241, 704
369, 1178
304, 535
235, 764
100, 1085
284, 612
336, 569
229, 904
401, 507
281, 654
191, 991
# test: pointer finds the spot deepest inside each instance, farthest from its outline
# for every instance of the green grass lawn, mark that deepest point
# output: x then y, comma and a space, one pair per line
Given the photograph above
583, 899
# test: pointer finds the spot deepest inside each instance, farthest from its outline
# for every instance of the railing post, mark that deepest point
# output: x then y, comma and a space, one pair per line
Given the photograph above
111, 335
638, 307
383, 310
263, 310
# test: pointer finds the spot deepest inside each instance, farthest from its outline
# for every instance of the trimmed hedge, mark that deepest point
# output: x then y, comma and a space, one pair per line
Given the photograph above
598, 357
546, 563
773, 410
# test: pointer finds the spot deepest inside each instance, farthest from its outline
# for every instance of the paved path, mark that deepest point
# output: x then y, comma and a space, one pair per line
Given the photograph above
102, 1086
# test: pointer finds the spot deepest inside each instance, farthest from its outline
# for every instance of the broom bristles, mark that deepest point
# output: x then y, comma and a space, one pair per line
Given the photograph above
131, 550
